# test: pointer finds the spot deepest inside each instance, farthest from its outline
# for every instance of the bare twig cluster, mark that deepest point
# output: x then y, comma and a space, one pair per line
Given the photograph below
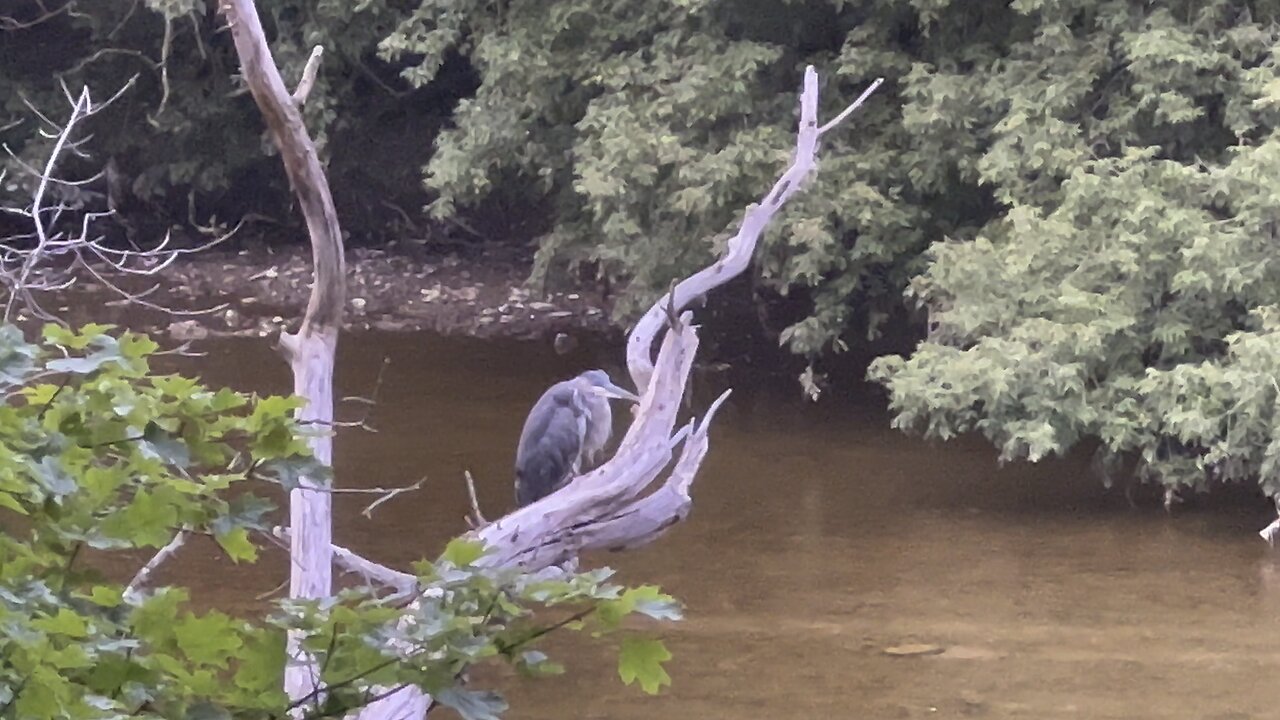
30, 13
61, 239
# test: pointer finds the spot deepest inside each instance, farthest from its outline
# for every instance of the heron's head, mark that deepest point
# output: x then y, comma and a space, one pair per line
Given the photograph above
599, 382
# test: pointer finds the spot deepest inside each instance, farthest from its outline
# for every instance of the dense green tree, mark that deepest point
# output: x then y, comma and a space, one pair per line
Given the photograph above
647, 127
1126, 290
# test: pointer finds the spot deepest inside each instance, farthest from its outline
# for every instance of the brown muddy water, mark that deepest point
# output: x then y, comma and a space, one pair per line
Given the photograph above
819, 539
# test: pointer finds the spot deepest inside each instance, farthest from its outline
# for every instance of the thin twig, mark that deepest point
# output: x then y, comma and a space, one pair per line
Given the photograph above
308, 76
144, 574
476, 518
389, 494
852, 106
166, 45
8, 23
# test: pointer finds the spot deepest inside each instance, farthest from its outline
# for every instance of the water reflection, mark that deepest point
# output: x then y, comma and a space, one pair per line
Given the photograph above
819, 537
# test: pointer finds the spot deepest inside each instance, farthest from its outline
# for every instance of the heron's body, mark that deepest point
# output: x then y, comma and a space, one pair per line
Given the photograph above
564, 434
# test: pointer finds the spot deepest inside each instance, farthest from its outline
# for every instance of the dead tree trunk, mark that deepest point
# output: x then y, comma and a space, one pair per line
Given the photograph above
310, 352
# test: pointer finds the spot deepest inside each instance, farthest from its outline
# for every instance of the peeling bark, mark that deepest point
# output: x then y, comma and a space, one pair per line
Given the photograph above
310, 352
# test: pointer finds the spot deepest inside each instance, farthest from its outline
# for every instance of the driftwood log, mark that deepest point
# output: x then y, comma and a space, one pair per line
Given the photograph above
628, 501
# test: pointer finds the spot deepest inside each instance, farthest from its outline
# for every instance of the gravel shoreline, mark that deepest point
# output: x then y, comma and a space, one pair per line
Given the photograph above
256, 292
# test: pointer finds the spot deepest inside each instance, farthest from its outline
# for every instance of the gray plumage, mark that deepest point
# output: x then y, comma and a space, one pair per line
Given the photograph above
564, 433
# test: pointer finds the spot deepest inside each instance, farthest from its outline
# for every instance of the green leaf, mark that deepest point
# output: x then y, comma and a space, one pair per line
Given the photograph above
10, 501
261, 665
108, 352
50, 476
649, 600
235, 543
45, 694
165, 446
641, 659
148, 520
106, 596
289, 472
209, 639
65, 622
462, 552
536, 664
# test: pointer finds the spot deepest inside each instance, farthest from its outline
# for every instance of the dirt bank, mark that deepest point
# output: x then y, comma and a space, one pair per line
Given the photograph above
255, 292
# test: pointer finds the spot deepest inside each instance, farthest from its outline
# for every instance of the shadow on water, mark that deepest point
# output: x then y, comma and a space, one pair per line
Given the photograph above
819, 538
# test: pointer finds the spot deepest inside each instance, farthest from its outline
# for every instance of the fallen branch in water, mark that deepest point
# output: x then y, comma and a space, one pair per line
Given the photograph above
616, 506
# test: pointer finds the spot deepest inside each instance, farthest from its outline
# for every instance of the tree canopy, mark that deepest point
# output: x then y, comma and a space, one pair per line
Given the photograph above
1126, 290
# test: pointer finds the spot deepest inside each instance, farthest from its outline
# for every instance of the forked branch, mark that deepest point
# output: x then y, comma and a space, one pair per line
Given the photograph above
627, 502
613, 506
311, 351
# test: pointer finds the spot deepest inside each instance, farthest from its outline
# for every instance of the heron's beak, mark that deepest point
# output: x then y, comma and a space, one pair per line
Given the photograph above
614, 391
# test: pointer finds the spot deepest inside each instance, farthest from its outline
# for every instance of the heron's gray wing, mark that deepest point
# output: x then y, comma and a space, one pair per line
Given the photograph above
549, 444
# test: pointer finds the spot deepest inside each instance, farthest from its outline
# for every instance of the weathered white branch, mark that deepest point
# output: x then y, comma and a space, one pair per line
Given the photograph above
1271, 532
311, 351
372, 572
741, 247
609, 507
308, 76
133, 590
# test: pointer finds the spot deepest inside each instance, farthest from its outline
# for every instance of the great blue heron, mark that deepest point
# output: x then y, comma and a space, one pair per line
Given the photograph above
564, 432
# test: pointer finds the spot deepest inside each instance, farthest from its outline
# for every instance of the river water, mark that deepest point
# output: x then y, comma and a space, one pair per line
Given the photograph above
820, 538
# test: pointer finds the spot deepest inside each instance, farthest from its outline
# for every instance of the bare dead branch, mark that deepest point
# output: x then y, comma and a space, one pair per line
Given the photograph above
27, 258
373, 572
741, 247
388, 494
43, 14
623, 503
475, 519
166, 47
133, 590
311, 351
852, 106
308, 76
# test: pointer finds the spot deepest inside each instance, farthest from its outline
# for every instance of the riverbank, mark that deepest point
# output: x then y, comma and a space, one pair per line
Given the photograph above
405, 287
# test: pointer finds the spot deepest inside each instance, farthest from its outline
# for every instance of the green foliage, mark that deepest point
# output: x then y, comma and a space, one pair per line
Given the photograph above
100, 456
465, 614
1127, 290
648, 127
